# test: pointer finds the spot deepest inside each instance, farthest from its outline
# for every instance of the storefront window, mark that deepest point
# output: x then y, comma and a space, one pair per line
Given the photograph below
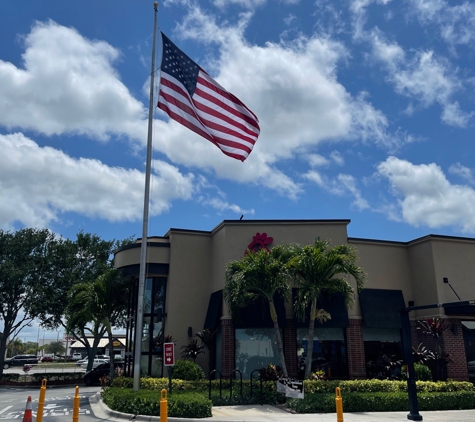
329, 351
255, 349
383, 352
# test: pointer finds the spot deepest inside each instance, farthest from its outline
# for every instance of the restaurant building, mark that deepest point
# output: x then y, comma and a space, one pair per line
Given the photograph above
185, 277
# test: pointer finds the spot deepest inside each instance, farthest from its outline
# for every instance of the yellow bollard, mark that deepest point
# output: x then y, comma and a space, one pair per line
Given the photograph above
41, 401
76, 405
164, 406
339, 405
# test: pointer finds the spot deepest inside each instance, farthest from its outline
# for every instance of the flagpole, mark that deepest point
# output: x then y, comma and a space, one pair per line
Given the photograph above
143, 248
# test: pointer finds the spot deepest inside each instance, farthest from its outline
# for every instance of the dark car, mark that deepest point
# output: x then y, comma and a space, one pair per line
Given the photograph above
20, 360
93, 377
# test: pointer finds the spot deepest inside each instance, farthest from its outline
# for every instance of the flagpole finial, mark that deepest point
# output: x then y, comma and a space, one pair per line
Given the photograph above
155, 5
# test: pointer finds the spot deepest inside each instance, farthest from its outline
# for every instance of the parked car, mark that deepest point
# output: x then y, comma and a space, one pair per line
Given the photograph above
93, 377
105, 357
20, 360
81, 361
95, 363
77, 356
46, 359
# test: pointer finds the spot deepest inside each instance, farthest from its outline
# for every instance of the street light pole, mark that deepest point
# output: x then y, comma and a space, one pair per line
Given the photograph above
407, 350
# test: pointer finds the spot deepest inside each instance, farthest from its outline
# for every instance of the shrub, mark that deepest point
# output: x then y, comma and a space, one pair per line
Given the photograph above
122, 382
188, 371
382, 402
11, 377
423, 373
146, 402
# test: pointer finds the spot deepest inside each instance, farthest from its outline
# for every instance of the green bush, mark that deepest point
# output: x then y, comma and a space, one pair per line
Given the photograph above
423, 373
122, 382
147, 402
11, 377
375, 386
57, 376
382, 402
188, 371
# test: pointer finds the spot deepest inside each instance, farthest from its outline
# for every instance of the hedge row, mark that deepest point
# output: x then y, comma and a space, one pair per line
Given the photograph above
382, 402
147, 402
359, 386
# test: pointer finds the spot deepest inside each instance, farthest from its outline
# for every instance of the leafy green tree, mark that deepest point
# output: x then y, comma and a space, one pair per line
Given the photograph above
15, 347
319, 269
82, 262
56, 348
97, 307
28, 263
260, 274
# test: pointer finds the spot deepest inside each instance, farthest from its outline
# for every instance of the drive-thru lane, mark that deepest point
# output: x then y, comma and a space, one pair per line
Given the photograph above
58, 403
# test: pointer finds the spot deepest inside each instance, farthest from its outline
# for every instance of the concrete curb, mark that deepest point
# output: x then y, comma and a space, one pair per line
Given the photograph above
101, 410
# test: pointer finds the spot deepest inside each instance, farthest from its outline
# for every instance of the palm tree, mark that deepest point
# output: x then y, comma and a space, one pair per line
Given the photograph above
102, 303
260, 274
319, 269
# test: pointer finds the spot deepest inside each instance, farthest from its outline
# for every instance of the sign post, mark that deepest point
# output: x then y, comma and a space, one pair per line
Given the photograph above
169, 361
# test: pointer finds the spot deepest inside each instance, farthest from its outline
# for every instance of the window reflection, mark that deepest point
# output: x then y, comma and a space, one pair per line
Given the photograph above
329, 352
255, 349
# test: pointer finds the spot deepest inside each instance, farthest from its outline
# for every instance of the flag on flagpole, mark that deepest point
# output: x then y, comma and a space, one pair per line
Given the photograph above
191, 97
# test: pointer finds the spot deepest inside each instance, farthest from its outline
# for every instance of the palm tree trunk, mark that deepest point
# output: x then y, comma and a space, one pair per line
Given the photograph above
280, 346
111, 349
311, 332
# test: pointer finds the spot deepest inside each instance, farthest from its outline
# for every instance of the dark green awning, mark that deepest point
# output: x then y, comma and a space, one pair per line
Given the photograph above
215, 307
257, 314
381, 307
334, 305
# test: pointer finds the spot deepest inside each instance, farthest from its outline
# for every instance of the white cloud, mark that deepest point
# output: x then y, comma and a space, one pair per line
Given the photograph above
424, 78
222, 205
38, 184
463, 172
248, 4
337, 158
456, 23
273, 81
317, 160
289, 19
358, 9
67, 85
427, 197
343, 184
454, 116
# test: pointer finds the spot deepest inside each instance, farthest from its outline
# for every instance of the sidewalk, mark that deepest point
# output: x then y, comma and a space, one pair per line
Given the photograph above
268, 413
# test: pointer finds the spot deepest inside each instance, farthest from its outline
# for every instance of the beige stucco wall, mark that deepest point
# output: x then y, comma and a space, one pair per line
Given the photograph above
387, 267
155, 255
230, 240
188, 287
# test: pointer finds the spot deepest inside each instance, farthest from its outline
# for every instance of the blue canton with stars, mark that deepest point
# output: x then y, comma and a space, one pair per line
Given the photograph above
179, 65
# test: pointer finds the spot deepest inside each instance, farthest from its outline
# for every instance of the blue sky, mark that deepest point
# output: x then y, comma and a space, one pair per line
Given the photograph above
366, 108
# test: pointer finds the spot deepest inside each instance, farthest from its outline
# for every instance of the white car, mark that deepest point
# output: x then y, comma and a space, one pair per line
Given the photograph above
95, 364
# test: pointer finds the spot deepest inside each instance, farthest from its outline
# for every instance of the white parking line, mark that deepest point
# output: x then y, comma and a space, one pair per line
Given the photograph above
6, 408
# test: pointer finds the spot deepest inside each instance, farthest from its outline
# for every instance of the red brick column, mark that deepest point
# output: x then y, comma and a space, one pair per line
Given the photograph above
228, 362
290, 348
453, 344
355, 346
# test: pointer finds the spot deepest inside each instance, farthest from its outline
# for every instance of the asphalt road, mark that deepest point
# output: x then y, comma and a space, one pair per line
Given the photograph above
42, 369
58, 403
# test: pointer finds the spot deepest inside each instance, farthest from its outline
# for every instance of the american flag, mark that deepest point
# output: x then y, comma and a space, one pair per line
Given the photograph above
191, 97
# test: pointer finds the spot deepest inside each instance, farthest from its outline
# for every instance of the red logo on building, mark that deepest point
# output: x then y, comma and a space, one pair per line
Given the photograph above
259, 241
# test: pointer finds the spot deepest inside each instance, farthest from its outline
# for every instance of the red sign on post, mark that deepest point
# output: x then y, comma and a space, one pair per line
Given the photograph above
169, 354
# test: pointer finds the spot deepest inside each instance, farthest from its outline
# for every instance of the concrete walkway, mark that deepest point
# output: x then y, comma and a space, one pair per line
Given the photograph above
268, 413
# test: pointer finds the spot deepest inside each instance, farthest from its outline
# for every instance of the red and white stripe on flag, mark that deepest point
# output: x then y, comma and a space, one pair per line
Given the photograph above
212, 112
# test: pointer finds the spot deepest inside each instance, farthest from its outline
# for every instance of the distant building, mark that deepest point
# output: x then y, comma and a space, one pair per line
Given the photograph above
119, 343
185, 280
